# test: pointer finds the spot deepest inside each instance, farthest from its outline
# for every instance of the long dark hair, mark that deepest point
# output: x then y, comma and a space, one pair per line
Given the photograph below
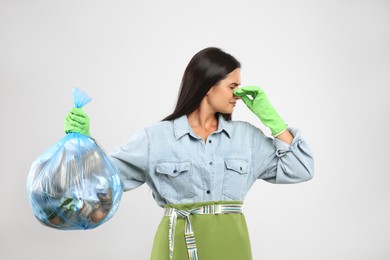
204, 70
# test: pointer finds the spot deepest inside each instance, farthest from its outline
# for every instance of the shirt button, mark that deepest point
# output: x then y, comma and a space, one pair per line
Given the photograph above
210, 141
211, 163
208, 192
174, 171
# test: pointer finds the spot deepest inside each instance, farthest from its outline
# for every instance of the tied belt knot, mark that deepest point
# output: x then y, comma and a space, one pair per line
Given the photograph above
188, 230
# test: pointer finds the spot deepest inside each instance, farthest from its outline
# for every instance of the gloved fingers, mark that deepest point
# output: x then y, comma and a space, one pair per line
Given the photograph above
72, 130
240, 92
245, 94
73, 123
78, 111
247, 101
78, 119
78, 115
252, 88
72, 119
245, 91
248, 90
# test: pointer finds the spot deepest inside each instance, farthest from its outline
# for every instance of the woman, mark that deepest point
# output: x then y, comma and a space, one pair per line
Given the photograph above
200, 164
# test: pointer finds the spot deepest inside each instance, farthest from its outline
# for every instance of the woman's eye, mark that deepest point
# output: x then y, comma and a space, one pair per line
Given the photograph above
233, 86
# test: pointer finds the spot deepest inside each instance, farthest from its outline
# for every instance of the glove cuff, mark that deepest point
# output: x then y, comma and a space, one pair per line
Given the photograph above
276, 133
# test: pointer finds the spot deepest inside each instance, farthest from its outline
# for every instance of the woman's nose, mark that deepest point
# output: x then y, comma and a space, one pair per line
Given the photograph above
236, 97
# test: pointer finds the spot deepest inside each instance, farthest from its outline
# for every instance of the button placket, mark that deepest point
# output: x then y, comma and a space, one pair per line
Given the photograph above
209, 152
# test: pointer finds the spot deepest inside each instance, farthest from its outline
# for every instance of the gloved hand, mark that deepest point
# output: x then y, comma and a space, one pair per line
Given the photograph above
77, 121
262, 108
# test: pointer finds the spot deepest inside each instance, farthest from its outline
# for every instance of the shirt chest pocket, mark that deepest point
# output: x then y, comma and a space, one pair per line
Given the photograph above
235, 178
175, 179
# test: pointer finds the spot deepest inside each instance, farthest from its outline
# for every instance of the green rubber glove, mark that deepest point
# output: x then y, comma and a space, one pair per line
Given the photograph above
77, 121
258, 103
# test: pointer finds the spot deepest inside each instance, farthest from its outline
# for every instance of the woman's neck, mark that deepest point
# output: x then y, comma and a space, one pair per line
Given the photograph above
202, 123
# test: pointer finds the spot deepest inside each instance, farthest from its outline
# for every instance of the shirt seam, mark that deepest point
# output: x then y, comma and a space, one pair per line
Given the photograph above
148, 148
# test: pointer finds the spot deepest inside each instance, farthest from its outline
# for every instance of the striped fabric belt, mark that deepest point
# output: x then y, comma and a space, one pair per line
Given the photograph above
189, 233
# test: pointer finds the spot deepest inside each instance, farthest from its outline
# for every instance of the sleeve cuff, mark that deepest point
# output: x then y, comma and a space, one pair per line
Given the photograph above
282, 146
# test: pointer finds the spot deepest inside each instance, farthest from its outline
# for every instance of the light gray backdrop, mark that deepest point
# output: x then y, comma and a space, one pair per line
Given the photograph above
325, 66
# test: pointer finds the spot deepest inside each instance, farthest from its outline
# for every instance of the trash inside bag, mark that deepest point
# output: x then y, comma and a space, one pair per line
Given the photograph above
74, 185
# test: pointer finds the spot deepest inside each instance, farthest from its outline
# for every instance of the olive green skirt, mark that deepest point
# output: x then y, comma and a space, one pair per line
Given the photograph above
221, 236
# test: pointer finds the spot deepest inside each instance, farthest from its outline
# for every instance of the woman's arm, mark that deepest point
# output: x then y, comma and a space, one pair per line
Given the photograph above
285, 136
132, 160
278, 161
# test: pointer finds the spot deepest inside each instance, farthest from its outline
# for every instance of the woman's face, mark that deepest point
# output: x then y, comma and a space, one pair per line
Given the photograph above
220, 97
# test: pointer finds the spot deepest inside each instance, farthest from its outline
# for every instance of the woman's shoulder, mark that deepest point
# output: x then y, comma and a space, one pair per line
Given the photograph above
243, 127
159, 127
241, 124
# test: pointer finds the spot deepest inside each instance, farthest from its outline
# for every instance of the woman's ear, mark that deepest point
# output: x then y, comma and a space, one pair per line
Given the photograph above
210, 90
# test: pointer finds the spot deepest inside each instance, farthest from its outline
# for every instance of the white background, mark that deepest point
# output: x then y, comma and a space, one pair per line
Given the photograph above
325, 66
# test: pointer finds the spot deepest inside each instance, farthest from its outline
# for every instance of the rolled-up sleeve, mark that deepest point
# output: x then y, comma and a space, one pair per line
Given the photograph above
132, 160
278, 162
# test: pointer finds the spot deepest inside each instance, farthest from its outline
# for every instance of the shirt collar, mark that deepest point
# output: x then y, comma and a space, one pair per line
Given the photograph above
181, 127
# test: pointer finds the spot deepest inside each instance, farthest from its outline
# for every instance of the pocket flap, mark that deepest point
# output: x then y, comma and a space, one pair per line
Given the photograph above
172, 168
238, 165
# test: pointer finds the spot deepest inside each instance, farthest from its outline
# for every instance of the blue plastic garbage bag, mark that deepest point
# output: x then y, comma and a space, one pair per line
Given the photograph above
74, 184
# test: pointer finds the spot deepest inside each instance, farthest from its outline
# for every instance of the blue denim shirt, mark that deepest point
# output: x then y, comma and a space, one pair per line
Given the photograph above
181, 167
